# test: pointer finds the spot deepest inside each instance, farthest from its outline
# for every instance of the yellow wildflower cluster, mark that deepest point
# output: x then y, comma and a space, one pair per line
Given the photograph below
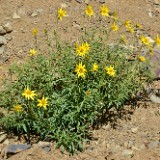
82, 49
30, 95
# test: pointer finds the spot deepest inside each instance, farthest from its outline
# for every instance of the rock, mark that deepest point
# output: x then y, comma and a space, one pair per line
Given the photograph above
8, 37
16, 16
3, 137
154, 98
2, 31
13, 149
79, 1
1, 49
8, 27
41, 143
134, 130
36, 12
102, 1
46, 148
153, 144
128, 153
2, 41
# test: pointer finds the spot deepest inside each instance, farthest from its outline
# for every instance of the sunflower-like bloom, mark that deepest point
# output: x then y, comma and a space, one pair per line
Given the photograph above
43, 103
114, 27
145, 40
142, 58
61, 13
80, 70
29, 94
104, 11
89, 11
17, 108
32, 52
110, 71
83, 49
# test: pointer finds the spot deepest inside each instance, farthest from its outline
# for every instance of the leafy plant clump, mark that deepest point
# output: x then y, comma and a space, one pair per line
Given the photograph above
59, 96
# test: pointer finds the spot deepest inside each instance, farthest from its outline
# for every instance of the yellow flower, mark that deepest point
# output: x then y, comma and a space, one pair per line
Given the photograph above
28, 94
142, 58
83, 49
145, 40
110, 71
61, 13
17, 108
95, 67
80, 70
123, 38
43, 103
32, 52
34, 31
114, 27
157, 40
104, 11
89, 11
127, 23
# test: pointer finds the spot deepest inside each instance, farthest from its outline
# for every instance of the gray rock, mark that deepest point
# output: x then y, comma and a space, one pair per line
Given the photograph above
154, 98
2, 40
41, 143
2, 31
153, 144
8, 27
13, 149
127, 153
1, 49
36, 12
3, 137
16, 16
46, 148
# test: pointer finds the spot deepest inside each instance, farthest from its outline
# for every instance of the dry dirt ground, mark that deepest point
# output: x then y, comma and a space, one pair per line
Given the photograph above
134, 135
